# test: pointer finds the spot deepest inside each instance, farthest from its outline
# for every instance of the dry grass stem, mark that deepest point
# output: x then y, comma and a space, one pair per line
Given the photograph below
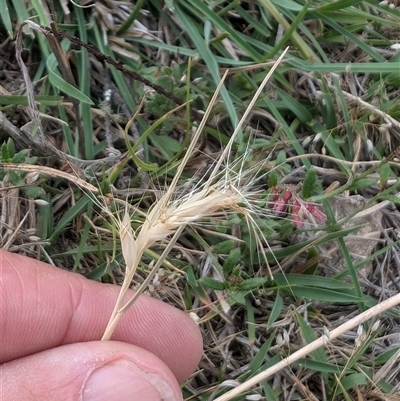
322, 341
52, 172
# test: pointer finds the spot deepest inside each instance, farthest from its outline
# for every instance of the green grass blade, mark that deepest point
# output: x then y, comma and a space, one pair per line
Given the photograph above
209, 59
69, 216
5, 17
309, 336
133, 15
287, 35
84, 87
59, 82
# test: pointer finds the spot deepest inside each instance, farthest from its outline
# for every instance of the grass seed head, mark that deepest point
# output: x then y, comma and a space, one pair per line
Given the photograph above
162, 222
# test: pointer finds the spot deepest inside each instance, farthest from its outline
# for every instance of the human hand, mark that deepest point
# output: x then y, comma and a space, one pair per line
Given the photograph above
50, 323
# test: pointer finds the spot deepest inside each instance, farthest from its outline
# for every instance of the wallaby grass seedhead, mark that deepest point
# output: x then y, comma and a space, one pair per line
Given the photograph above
170, 216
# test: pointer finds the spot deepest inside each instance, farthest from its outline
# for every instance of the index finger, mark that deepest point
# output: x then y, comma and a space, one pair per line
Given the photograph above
43, 307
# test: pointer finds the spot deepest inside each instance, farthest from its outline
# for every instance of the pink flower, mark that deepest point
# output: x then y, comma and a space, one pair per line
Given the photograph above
301, 210
281, 205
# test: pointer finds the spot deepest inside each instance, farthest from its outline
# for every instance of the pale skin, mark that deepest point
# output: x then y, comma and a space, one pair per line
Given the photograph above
51, 321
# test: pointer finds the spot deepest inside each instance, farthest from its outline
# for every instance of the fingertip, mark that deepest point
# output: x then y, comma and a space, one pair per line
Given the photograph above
118, 380
100, 370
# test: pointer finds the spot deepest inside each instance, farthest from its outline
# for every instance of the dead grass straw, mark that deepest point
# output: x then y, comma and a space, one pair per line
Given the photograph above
322, 341
51, 172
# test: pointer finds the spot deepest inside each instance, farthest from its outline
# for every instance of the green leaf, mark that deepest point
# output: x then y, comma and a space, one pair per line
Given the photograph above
318, 288
149, 131
272, 179
223, 247
318, 366
393, 79
231, 261
69, 216
134, 14
34, 192
281, 158
191, 277
187, 297
5, 16
355, 39
252, 283
276, 310
20, 9
20, 157
251, 327
312, 253
384, 174
363, 183
259, 358
11, 149
291, 32
392, 198
206, 12
282, 253
238, 297
322, 294
5, 155
207, 55
337, 5
376, 67
166, 145
212, 283
313, 281
98, 272
309, 336
59, 82
84, 236
385, 356
31, 160
353, 381
309, 184
268, 392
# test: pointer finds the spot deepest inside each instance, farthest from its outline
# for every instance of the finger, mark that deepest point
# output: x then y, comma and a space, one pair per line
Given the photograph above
43, 307
100, 370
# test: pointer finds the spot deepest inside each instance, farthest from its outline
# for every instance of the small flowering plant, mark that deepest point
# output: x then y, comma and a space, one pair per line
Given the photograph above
285, 201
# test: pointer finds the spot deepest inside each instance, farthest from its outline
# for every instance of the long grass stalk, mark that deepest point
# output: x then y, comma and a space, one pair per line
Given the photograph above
168, 216
322, 341
156, 227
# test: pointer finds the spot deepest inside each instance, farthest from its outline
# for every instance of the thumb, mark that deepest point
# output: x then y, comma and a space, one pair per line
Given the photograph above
92, 371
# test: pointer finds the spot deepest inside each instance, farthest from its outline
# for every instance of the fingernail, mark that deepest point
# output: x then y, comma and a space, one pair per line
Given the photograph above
122, 380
